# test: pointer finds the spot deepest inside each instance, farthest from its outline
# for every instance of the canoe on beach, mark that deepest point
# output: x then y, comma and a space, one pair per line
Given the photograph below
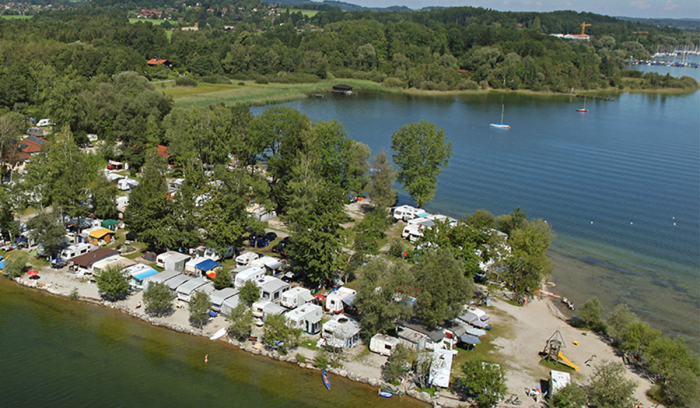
326, 379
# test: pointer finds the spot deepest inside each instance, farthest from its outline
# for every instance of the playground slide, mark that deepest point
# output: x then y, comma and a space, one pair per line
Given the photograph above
567, 362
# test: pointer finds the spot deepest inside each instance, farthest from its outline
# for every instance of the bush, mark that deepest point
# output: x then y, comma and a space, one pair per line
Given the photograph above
392, 82
16, 264
215, 79
396, 248
158, 299
74, 294
592, 315
262, 80
241, 321
241, 83
185, 81
321, 360
300, 358
112, 283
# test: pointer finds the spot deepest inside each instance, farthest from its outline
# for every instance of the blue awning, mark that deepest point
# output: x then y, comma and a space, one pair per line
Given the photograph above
2, 264
207, 265
146, 274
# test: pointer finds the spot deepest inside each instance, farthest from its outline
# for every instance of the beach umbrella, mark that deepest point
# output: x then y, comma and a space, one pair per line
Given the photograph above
33, 273
211, 275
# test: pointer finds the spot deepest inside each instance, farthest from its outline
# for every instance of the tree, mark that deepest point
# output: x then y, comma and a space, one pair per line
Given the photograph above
397, 364
609, 388
241, 319
619, 320
442, 288
571, 396
48, 231
681, 389
199, 309
381, 181
158, 299
638, 336
528, 264
278, 334
666, 354
484, 380
104, 197
316, 251
591, 313
16, 264
222, 280
420, 152
12, 125
381, 295
112, 283
250, 292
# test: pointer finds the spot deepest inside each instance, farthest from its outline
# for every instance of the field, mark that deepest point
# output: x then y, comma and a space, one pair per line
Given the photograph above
16, 17
252, 93
307, 13
146, 20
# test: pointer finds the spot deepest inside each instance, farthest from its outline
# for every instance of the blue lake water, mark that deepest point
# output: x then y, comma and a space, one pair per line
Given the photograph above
620, 185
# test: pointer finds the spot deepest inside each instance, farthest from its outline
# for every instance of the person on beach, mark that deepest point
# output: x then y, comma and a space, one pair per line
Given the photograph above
206, 359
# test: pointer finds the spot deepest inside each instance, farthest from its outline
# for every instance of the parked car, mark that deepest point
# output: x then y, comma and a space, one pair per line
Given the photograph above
281, 249
8, 247
270, 236
262, 242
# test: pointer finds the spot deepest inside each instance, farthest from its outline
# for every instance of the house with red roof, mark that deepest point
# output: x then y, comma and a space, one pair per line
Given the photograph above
154, 62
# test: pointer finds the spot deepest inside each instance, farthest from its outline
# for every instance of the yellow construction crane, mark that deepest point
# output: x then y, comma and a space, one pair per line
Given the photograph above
583, 28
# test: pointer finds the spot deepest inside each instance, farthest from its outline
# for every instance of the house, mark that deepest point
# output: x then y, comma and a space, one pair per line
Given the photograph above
271, 288
383, 344
246, 258
441, 367
155, 62
186, 290
341, 332
83, 263
307, 317
249, 273
220, 296
140, 273
296, 297
337, 301
263, 308
163, 277
102, 236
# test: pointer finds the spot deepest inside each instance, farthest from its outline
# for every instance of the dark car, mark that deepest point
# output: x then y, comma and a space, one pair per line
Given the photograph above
261, 242
270, 236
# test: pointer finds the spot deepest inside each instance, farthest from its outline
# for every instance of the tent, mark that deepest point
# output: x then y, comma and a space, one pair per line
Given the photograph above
110, 224
207, 265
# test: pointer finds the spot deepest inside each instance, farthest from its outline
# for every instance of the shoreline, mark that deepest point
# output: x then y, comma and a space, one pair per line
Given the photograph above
525, 332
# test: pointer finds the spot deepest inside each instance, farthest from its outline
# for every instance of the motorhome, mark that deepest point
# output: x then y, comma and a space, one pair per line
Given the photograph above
406, 212
296, 297
251, 273
383, 344
246, 258
172, 261
76, 250
337, 301
263, 308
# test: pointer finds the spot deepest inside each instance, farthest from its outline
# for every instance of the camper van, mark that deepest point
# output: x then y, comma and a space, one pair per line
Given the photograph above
76, 250
246, 258
383, 344
406, 212
252, 273
336, 301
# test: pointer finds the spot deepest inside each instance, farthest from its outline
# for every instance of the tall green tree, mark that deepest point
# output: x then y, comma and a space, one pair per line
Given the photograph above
48, 231
570, 396
382, 289
381, 181
241, 319
12, 126
250, 292
279, 334
199, 309
316, 250
112, 282
591, 313
158, 299
442, 288
420, 152
609, 388
484, 380
103, 197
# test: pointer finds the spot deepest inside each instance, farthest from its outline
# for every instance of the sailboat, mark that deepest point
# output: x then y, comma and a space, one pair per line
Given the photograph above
584, 110
501, 125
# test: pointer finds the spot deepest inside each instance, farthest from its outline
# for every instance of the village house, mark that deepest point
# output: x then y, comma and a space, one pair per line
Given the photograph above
154, 62
102, 236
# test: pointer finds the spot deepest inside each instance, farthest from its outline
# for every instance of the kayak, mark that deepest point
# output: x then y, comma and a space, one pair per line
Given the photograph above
385, 394
219, 334
326, 379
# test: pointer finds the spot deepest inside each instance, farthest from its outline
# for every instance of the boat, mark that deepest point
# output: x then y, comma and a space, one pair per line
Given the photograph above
584, 110
326, 379
385, 394
219, 334
391, 391
501, 125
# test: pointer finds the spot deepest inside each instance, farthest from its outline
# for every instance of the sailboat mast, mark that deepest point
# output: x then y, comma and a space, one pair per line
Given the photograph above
503, 107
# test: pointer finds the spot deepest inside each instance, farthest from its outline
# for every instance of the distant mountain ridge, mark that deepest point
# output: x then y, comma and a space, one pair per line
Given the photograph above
341, 4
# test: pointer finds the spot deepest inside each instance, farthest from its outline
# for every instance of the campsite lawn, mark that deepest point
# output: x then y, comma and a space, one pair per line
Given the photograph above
146, 20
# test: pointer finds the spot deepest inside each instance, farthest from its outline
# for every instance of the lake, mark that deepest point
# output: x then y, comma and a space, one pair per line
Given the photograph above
60, 353
619, 185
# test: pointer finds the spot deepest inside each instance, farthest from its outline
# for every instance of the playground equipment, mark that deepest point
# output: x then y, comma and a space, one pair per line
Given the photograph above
552, 350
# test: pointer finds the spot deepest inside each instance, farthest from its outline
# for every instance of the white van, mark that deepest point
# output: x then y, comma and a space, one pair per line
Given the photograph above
76, 250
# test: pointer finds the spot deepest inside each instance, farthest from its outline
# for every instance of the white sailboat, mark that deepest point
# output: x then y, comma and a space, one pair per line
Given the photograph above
501, 125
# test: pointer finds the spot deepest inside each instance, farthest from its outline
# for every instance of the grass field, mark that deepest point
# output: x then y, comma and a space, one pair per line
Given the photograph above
16, 17
308, 13
146, 20
252, 93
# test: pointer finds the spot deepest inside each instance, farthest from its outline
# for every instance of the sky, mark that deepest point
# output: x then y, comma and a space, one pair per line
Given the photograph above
626, 8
